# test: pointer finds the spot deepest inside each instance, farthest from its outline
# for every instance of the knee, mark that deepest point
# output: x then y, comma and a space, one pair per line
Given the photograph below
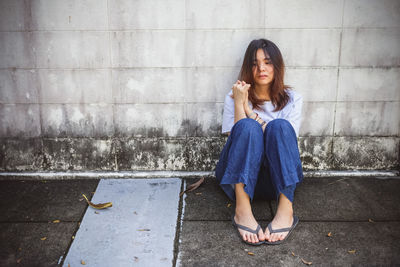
279, 126
247, 126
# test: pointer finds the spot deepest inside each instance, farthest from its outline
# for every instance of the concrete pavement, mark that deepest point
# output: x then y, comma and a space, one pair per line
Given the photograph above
361, 214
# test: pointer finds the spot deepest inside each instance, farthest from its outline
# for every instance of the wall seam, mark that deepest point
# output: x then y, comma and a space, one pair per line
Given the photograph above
185, 122
337, 90
44, 163
263, 12
201, 67
198, 29
110, 71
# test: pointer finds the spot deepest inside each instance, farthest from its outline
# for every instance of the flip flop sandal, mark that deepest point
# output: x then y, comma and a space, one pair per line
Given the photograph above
248, 230
289, 229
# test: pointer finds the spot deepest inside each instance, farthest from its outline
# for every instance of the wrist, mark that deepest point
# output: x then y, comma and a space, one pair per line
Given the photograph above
248, 110
251, 115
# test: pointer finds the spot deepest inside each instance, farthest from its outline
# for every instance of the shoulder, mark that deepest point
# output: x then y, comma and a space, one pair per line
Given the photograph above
294, 96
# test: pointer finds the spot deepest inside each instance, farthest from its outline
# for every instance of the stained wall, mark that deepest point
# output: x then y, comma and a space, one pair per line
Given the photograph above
140, 85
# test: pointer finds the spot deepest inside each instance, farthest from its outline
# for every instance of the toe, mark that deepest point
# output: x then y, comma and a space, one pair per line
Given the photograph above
244, 237
256, 238
248, 237
261, 235
253, 238
267, 235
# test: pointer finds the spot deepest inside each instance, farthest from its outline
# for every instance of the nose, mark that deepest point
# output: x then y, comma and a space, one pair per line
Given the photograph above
262, 66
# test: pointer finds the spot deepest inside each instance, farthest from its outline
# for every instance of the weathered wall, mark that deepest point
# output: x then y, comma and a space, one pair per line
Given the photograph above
129, 85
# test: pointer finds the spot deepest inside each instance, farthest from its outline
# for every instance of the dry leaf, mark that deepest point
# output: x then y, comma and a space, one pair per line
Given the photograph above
199, 194
143, 230
19, 260
370, 220
96, 212
193, 186
98, 206
135, 212
56, 221
329, 234
136, 258
43, 238
229, 204
352, 251
83, 262
306, 262
293, 254
250, 253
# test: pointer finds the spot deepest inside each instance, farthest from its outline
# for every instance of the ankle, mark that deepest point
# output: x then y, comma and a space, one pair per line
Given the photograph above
243, 211
285, 209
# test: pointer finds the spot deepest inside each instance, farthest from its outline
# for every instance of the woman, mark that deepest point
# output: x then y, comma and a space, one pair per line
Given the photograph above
261, 158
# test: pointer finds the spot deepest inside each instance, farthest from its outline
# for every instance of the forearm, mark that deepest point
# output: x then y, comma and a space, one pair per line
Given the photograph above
239, 112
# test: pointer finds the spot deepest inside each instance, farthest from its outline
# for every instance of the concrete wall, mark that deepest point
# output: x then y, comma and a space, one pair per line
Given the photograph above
139, 85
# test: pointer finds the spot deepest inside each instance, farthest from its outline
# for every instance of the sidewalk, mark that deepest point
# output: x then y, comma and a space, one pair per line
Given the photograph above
362, 215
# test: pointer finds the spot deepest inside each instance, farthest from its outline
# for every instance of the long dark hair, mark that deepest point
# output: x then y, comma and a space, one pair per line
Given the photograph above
278, 95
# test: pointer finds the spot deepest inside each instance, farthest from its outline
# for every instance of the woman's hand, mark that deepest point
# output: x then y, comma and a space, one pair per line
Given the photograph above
246, 107
240, 92
241, 95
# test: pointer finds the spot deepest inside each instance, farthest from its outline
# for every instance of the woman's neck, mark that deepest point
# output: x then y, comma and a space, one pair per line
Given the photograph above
262, 92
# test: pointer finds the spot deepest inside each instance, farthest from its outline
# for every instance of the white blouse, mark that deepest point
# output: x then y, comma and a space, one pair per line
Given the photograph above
291, 112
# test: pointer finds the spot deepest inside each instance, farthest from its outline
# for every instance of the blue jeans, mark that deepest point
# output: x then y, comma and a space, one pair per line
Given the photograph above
266, 163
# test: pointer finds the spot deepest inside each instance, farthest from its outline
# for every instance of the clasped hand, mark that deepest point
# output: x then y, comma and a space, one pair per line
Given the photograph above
241, 95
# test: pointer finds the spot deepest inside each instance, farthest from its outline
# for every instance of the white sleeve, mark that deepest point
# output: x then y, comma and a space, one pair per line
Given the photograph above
294, 116
228, 117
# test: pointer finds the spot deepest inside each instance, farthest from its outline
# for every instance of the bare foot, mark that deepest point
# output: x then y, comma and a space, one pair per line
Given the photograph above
282, 219
247, 219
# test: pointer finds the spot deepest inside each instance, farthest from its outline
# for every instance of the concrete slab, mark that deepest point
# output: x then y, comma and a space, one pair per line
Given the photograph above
21, 243
209, 202
382, 196
41, 201
216, 243
347, 199
138, 229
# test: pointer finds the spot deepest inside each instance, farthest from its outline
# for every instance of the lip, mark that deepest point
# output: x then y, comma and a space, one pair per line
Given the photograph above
262, 76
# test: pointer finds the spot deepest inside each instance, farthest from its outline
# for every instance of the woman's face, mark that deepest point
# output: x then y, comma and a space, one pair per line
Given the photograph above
263, 70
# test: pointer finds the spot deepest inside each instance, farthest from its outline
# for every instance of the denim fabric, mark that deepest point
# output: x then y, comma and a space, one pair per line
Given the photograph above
266, 163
